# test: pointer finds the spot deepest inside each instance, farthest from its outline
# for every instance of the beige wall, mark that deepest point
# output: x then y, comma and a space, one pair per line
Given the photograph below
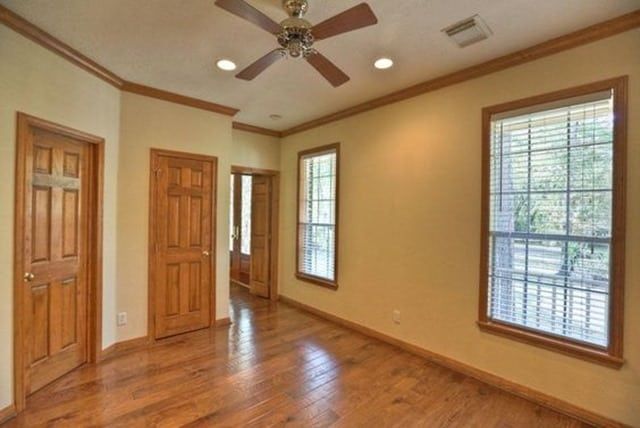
255, 150
146, 123
40, 83
410, 226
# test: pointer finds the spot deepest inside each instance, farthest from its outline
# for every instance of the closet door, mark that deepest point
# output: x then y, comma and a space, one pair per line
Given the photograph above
182, 261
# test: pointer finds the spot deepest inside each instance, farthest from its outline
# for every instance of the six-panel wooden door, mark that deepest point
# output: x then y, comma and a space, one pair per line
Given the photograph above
55, 257
182, 243
260, 274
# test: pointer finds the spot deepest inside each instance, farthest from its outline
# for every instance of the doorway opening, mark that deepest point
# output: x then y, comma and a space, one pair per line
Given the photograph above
253, 234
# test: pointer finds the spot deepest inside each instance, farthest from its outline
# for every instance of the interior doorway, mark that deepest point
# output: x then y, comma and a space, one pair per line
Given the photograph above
253, 237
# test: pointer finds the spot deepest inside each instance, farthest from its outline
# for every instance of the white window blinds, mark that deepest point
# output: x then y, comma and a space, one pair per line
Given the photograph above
317, 215
551, 178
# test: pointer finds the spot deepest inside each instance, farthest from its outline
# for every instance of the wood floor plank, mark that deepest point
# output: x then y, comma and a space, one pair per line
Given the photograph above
275, 366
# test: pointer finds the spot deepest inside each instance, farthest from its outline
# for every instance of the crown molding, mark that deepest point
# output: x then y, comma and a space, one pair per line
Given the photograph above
577, 38
256, 129
46, 40
581, 37
160, 94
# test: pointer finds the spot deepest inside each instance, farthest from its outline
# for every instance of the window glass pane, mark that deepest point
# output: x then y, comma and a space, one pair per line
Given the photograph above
231, 216
550, 220
245, 241
317, 214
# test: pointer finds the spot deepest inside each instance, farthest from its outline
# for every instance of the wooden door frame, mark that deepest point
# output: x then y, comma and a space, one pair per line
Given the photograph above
153, 159
275, 220
94, 240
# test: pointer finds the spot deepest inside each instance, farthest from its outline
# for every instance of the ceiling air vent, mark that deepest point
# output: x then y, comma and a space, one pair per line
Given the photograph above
468, 31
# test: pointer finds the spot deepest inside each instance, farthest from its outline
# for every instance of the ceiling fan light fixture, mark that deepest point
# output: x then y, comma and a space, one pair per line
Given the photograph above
383, 63
296, 35
226, 65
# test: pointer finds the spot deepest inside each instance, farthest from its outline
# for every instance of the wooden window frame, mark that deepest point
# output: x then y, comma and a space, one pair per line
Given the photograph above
301, 275
612, 355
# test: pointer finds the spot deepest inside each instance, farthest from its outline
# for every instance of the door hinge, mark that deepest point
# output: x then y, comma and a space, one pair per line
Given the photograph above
157, 172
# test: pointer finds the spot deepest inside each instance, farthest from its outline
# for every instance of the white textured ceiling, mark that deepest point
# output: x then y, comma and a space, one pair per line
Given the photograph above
173, 45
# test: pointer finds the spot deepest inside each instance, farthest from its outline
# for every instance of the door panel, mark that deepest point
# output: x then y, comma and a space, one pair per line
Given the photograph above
55, 254
182, 261
260, 236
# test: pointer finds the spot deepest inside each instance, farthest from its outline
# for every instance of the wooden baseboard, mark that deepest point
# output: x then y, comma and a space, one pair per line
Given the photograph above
223, 322
124, 346
506, 385
141, 342
240, 284
7, 413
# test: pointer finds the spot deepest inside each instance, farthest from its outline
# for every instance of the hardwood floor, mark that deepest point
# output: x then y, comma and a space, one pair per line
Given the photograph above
275, 366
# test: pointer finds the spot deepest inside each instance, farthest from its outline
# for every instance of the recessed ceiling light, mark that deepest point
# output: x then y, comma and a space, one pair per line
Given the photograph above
226, 65
383, 63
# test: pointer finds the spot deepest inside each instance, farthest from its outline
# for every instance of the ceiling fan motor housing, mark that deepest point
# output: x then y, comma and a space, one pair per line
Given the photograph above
296, 37
295, 8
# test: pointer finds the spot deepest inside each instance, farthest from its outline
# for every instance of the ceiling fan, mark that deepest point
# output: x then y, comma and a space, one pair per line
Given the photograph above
296, 35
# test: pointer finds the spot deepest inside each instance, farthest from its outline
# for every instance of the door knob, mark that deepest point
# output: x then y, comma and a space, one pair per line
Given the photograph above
206, 253
28, 277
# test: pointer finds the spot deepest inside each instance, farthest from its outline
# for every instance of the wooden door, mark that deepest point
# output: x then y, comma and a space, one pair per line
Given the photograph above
182, 272
260, 236
54, 254
240, 248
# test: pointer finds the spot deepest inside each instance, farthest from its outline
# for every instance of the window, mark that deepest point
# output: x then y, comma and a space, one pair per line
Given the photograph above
553, 220
317, 215
243, 229
245, 215
232, 220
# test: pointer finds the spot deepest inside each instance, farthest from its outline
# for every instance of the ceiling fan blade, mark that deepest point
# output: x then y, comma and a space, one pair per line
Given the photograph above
246, 11
352, 19
260, 65
329, 71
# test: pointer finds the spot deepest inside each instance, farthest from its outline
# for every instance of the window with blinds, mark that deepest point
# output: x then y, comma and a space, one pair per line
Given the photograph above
317, 214
550, 218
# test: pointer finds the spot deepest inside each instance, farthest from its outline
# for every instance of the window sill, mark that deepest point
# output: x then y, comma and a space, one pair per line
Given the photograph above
566, 347
317, 281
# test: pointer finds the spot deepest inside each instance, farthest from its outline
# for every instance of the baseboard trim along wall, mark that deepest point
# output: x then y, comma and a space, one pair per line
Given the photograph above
7, 413
223, 322
457, 366
124, 346
119, 348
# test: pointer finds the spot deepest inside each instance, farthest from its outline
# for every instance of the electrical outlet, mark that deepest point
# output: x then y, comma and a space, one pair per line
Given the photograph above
122, 318
396, 316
